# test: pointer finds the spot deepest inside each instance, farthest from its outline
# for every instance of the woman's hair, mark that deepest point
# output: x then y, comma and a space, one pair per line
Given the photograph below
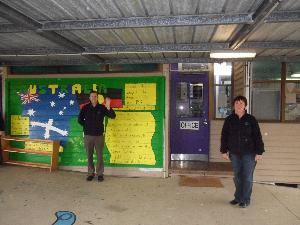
240, 98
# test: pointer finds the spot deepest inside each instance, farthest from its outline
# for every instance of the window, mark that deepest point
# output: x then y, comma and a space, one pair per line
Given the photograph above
292, 92
222, 83
266, 90
189, 99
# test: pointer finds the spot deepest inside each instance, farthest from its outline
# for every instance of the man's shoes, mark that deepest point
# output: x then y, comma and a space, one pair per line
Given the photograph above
243, 205
90, 178
100, 178
234, 202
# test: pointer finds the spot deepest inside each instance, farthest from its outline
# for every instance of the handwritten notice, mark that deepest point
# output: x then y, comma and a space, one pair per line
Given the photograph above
38, 146
128, 138
141, 96
136, 107
42, 147
19, 125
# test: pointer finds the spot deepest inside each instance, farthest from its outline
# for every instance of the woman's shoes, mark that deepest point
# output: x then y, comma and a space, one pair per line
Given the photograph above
234, 202
244, 205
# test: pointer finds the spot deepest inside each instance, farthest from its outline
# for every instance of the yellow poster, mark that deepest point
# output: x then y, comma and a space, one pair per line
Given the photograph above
38, 146
128, 138
141, 96
19, 125
43, 147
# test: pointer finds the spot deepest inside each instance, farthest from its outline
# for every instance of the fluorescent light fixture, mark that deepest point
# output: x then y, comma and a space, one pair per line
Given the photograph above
229, 54
295, 75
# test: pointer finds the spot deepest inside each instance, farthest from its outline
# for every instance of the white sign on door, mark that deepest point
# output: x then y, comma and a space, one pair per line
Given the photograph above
189, 125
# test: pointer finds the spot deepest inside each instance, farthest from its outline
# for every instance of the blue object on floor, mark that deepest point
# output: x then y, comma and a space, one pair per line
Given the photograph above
64, 218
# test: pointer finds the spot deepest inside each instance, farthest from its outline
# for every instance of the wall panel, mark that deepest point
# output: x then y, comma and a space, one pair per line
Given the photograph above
281, 161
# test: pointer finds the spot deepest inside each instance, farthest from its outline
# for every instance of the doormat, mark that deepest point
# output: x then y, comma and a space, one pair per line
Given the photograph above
200, 181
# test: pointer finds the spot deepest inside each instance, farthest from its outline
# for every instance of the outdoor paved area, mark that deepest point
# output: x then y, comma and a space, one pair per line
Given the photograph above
31, 196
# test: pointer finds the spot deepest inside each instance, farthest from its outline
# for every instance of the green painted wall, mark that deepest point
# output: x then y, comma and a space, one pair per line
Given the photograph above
73, 148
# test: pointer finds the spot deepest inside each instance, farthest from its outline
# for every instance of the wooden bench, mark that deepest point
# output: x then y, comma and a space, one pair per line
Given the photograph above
6, 142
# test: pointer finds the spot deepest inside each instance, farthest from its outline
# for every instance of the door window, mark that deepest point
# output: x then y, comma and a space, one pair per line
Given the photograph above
189, 99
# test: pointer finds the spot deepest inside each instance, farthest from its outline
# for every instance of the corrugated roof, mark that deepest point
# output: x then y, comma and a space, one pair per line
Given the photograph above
145, 30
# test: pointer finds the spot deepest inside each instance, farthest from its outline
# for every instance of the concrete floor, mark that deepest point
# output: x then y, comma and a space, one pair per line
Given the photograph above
31, 196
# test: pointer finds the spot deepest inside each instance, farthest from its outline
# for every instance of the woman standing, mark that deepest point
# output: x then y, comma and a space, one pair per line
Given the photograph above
241, 142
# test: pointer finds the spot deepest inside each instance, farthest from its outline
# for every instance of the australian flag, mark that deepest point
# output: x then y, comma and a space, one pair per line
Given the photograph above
50, 114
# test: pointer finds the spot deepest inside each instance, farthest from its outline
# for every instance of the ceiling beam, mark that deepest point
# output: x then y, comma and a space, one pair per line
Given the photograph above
202, 60
271, 45
47, 62
262, 12
165, 60
200, 47
38, 52
22, 20
180, 20
136, 22
283, 16
11, 28
156, 21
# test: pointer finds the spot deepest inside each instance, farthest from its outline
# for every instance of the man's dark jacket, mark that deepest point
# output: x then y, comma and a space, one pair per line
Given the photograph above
91, 118
241, 136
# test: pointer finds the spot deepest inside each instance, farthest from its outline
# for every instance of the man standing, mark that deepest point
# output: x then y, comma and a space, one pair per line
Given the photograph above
241, 142
91, 118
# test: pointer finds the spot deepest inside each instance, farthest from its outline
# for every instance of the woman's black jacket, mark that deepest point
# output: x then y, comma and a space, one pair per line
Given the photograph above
241, 136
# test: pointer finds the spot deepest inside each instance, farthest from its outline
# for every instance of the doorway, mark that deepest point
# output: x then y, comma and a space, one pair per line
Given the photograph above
189, 124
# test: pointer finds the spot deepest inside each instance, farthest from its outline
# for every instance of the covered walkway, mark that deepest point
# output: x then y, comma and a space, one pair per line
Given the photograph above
30, 196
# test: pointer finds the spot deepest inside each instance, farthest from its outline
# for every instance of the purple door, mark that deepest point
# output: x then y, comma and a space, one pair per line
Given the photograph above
189, 127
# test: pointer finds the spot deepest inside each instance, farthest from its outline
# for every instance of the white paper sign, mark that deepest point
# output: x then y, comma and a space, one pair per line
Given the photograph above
189, 125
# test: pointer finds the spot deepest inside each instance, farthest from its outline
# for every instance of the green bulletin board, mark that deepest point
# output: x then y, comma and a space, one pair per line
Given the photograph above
133, 139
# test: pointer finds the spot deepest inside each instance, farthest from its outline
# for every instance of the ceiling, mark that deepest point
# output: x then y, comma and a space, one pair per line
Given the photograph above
85, 32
